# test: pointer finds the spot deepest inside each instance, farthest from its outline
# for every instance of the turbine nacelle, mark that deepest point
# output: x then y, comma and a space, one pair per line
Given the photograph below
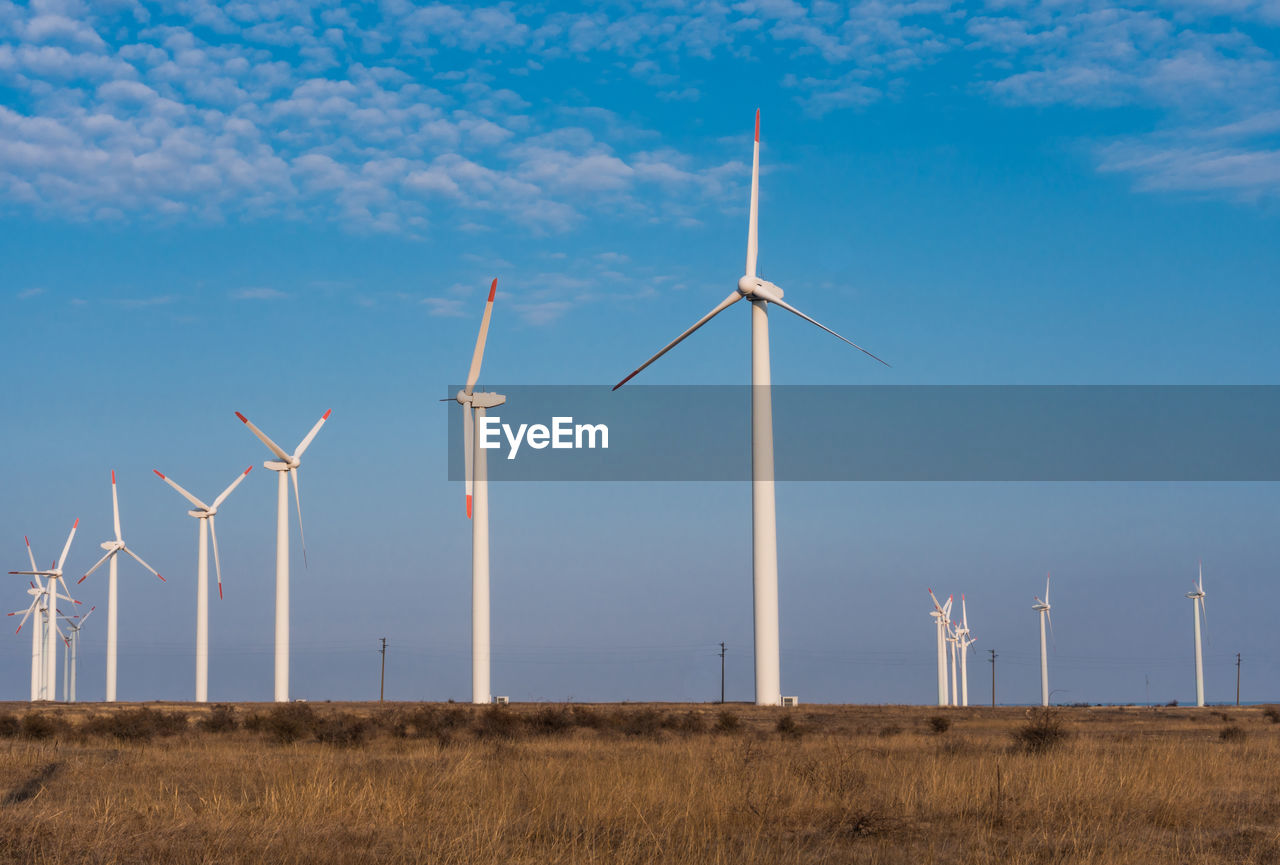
755, 288
282, 466
112, 546
203, 514
480, 400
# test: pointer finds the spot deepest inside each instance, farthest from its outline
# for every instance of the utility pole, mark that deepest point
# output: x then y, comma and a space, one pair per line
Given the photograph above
722, 673
993, 677
382, 679
1237, 678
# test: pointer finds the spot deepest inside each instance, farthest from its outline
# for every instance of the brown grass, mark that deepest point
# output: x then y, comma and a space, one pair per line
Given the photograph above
662, 784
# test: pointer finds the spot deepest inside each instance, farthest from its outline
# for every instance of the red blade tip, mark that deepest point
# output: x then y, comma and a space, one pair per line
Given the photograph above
162, 579
468, 507
158, 473
326, 414
76, 523
243, 419
246, 471
493, 289
113, 476
219, 591
757, 124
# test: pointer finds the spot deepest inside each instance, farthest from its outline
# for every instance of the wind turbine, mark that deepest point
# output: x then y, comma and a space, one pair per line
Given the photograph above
1197, 609
965, 640
50, 652
286, 466
74, 624
113, 548
761, 293
941, 615
37, 655
1042, 607
474, 406
205, 514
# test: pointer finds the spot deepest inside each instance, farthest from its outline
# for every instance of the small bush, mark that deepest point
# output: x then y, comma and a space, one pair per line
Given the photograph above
939, 724
135, 725
285, 723
497, 722
788, 728
550, 721
220, 719
727, 722
645, 722
1172, 704
36, 725
343, 729
10, 726
1232, 733
1043, 731
889, 730
687, 723
1272, 714
585, 716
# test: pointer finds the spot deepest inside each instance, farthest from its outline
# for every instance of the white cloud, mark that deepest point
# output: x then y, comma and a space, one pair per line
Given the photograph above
259, 293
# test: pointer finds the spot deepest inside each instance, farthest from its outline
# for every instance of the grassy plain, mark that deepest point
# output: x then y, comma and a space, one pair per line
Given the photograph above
353, 783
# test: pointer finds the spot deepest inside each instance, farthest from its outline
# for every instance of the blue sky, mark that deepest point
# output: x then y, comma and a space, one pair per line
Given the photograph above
281, 208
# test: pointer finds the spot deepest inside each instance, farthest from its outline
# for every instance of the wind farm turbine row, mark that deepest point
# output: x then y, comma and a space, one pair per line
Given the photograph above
47, 587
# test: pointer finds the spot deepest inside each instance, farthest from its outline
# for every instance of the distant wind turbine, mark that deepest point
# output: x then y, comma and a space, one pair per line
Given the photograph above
941, 615
114, 548
285, 465
53, 577
1197, 610
761, 293
964, 639
1042, 607
205, 514
37, 629
74, 624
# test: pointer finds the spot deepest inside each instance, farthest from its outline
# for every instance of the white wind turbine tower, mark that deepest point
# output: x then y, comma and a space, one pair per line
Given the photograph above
1197, 609
474, 406
941, 615
761, 293
74, 624
964, 640
205, 514
953, 639
286, 465
49, 655
1042, 607
114, 548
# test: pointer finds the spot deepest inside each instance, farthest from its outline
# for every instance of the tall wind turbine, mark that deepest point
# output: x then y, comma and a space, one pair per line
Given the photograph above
941, 615
1197, 609
953, 639
53, 577
113, 548
205, 515
286, 466
761, 293
1042, 607
474, 406
964, 640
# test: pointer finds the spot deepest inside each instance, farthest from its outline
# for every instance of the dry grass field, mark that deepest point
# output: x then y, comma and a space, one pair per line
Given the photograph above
351, 783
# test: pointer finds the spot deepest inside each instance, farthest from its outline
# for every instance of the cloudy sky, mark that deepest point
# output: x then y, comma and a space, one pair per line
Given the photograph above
286, 207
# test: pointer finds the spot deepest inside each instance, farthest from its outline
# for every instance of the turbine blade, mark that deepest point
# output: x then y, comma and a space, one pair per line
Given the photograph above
217, 566
753, 225
477, 356
306, 442
115, 505
964, 614
771, 298
1204, 615
235, 483
66, 548
30, 555
86, 616
96, 565
27, 615
468, 435
720, 307
1046, 589
936, 605
1049, 616
272, 446
297, 500
186, 495
144, 564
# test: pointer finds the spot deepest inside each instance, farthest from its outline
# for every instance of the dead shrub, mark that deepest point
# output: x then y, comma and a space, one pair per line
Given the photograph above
38, 725
135, 725
285, 723
788, 727
889, 730
1272, 714
939, 724
687, 723
1044, 731
496, 721
644, 722
550, 721
343, 729
1232, 733
220, 719
9, 725
727, 722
